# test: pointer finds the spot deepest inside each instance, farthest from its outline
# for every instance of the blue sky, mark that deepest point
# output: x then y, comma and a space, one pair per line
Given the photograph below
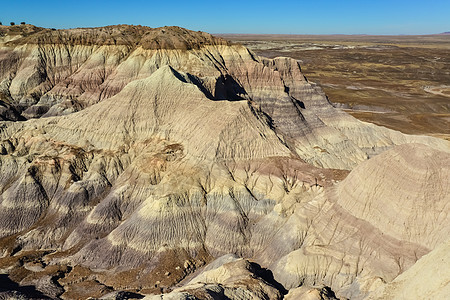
230, 16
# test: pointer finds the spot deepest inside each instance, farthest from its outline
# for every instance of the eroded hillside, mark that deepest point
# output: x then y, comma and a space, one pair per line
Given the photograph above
132, 157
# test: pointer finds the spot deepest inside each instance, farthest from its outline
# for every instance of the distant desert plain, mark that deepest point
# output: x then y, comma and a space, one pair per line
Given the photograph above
400, 82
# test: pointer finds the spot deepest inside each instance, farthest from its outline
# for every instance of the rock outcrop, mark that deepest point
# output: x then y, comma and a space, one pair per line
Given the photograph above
131, 157
229, 277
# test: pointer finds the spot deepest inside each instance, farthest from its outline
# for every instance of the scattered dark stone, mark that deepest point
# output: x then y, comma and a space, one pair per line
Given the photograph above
9, 287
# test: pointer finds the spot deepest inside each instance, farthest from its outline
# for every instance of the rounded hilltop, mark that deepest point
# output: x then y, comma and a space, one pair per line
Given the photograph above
167, 37
21, 29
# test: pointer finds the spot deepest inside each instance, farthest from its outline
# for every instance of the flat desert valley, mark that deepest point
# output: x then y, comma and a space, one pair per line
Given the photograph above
400, 82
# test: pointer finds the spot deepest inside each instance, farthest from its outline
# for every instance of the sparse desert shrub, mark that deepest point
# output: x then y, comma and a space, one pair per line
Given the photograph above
12, 23
22, 23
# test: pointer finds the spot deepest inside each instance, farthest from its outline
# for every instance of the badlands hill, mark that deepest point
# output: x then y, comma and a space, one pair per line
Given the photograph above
140, 161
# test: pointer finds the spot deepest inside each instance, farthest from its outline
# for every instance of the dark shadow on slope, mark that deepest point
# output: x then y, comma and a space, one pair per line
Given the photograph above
7, 286
195, 80
225, 88
327, 293
267, 275
297, 102
9, 112
128, 295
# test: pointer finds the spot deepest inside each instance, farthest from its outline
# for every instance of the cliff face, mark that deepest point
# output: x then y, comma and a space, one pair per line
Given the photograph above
149, 152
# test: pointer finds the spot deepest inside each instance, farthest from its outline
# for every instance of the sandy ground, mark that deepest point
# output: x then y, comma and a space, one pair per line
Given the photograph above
400, 82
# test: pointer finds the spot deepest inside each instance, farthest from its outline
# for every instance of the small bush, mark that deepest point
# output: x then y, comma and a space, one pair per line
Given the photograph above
22, 23
12, 23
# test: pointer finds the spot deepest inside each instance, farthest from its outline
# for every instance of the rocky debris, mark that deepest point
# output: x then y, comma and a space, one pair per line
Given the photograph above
308, 293
10, 290
229, 277
144, 163
122, 295
13, 295
48, 286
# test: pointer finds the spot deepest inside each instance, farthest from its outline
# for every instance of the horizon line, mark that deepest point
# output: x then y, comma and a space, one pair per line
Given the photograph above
354, 34
249, 33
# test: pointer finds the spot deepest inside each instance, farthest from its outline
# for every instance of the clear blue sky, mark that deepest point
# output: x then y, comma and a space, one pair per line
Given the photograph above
231, 16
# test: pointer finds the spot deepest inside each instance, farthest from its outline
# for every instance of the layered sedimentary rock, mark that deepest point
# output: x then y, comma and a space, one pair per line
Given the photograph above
131, 157
373, 225
426, 279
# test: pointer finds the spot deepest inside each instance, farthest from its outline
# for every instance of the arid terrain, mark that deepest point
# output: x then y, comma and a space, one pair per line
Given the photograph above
400, 82
165, 163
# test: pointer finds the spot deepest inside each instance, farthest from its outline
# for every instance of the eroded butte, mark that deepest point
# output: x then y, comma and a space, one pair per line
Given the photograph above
169, 163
